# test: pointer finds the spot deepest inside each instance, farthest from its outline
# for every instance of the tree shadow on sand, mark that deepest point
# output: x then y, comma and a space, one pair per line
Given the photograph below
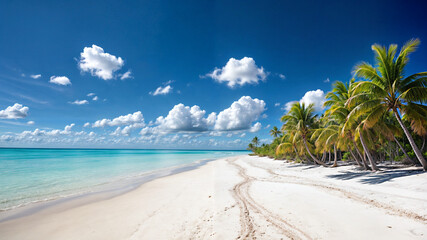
375, 178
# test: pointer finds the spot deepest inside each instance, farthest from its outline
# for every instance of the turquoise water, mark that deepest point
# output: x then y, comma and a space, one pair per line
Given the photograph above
35, 175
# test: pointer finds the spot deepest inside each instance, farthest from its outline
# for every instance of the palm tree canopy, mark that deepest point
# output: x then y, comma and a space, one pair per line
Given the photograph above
386, 87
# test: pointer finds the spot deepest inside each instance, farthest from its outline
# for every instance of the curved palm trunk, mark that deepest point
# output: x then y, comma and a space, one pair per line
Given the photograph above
411, 141
403, 150
329, 155
311, 155
365, 148
354, 156
335, 157
365, 164
323, 156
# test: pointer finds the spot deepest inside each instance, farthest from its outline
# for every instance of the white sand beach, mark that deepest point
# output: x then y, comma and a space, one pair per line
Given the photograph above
246, 197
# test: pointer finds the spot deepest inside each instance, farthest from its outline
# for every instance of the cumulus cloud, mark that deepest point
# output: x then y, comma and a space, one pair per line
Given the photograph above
36, 76
91, 94
54, 132
184, 118
86, 124
60, 80
239, 72
240, 114
288, 106
99, 63
128, 119
126, 75
256, 127
80, 102
14, 112
95, 98
162, 90
316, 97
30, 122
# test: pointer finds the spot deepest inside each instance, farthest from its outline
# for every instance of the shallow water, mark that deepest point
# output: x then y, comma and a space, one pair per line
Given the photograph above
36, 175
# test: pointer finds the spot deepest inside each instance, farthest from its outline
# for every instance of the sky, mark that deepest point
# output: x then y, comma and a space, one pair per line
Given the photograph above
181, 74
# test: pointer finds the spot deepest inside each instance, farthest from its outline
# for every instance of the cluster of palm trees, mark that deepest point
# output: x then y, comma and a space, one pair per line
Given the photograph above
369, 119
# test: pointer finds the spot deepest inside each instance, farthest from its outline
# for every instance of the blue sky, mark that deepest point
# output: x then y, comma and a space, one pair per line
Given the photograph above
169, 74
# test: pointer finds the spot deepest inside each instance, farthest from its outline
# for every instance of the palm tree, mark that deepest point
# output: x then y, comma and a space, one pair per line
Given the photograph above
275, 132
386, 89
301, 120
339, 111
255, 141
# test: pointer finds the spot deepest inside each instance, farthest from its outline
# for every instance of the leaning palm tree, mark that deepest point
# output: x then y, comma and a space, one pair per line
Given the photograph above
275, 132
301, 120
386, 89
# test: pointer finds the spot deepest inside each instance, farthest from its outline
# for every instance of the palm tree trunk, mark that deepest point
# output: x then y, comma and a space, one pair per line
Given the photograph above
365, 164
329, 155
424, 143
323, 156
365, 148
403, 150
354, 156
411, 141
336, 156
311, 155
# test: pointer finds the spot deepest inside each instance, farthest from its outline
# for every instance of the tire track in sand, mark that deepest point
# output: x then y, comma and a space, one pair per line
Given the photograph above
248, 205
392, 210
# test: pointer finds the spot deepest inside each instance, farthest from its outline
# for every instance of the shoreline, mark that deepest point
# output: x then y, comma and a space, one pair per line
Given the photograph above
100, 192
246, 197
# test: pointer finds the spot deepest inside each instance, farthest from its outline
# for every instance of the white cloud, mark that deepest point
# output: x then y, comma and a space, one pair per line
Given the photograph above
126, 75
281, 76
268, 126
243, 135
239, 72
79, 102
95, 98
277, 104
14, 112
240, 114
91, 94
54, 132
162, 90
327, 80
288, 106
256, 127
30, 122
184, 118
36, 76
129, 119
60, 80
316, 97
86, 124
99, 63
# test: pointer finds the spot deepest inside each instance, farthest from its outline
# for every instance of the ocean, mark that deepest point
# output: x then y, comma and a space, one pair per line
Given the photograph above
38, 175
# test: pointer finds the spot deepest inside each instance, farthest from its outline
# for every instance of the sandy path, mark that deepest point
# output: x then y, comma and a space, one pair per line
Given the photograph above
245, 198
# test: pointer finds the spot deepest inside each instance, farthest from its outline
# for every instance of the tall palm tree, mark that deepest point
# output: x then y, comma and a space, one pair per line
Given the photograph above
275, 132
301, 120
386, 89
255, 141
